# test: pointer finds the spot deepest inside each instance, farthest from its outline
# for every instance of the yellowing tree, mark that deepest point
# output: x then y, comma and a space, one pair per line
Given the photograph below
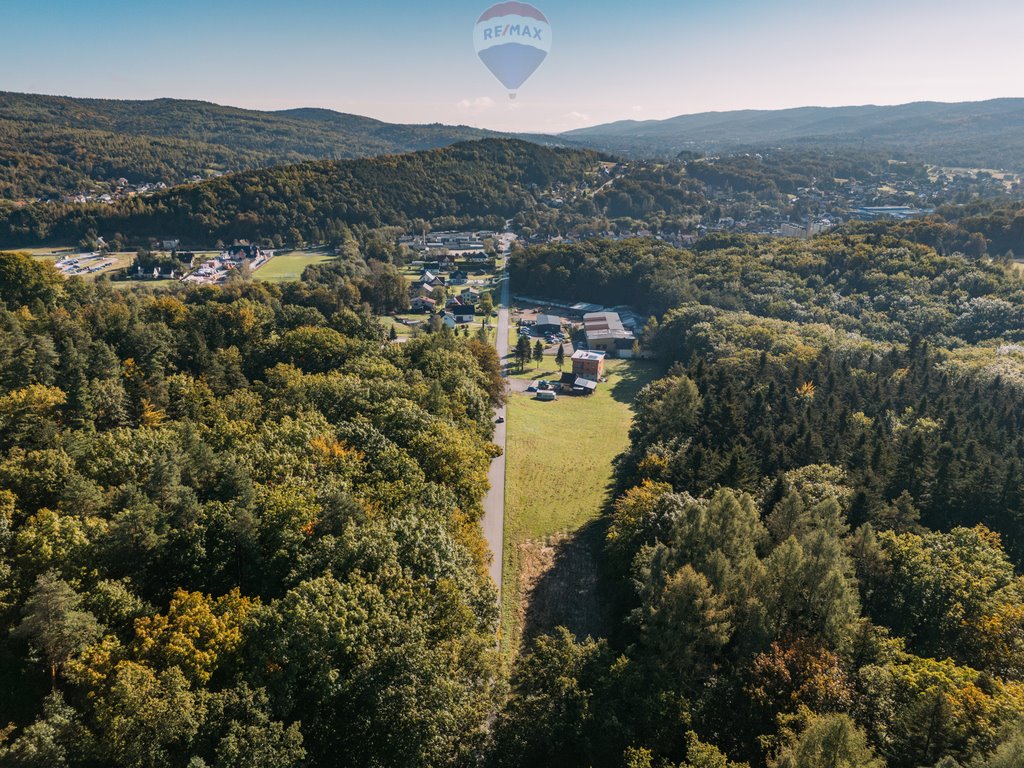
196, 631
151, 415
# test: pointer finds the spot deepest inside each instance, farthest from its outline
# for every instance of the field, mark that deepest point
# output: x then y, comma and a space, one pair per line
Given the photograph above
144, 285
288, 267
44, 253
559, 473
402, 330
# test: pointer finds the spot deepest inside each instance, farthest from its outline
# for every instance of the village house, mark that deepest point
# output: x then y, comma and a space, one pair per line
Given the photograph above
430, 279
423, 304
239, 251
463, 313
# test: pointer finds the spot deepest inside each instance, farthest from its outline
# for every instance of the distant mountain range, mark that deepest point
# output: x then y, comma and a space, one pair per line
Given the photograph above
974, 134
51, 145
54, 145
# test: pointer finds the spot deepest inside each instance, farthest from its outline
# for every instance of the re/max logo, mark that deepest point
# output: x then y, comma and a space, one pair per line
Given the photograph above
512, 30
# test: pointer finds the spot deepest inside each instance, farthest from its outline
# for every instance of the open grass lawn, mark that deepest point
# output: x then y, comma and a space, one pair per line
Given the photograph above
405, 331
288, 267
401, 329
559, 469
44, 253
547, 368
143, 285
474, 329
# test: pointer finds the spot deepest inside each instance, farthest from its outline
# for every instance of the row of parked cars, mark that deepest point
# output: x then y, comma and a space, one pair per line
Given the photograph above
552, 338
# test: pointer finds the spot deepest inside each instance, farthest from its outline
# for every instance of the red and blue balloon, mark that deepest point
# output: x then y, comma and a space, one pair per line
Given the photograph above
512, 39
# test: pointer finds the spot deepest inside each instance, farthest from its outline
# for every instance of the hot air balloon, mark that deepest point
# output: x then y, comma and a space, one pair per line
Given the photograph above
512, 39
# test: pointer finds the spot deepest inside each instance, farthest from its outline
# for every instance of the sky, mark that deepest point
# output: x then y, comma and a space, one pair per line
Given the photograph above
414, 62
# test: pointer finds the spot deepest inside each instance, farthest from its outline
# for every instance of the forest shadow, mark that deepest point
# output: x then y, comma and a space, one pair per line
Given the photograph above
632, 378
564, 584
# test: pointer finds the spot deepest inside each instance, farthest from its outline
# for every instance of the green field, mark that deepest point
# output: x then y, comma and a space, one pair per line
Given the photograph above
401, 329
143, 285
288, 267
547, 367
44, 253
559, 469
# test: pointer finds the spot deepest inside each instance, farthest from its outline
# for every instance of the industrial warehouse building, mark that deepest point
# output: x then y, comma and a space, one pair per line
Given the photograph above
606, 333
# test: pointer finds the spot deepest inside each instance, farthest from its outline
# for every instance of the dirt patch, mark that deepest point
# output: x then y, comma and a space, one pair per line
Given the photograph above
560, 584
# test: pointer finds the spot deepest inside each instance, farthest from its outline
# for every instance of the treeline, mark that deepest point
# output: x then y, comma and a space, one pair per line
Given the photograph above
37, 162
976, 228
816, 546
239, 527
876, 285
764, 631
903, 423
52, 145
479, 184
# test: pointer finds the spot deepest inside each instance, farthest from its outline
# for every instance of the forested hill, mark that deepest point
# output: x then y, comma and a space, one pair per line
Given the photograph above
237, 528
473, 183
815, 554
50, 145
988, 134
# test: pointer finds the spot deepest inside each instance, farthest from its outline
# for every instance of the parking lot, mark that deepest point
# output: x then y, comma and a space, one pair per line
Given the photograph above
526, 325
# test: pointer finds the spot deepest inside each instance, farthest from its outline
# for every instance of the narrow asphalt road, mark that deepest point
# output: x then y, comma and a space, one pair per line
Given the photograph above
494, 502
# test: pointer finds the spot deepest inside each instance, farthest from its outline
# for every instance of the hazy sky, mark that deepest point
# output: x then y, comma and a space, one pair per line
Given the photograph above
414, 61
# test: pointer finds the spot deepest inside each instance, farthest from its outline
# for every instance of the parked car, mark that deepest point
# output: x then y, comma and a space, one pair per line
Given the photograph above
500, 420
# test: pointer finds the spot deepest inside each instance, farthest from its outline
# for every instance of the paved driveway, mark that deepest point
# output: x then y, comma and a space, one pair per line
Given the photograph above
494, 503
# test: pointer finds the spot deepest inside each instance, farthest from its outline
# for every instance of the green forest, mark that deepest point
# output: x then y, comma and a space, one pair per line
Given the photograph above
52, 145
476, 184
237, 528
816, 544
546, 192
239, 524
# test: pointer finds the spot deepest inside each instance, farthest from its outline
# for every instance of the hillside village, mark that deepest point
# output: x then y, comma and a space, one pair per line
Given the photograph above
903, 191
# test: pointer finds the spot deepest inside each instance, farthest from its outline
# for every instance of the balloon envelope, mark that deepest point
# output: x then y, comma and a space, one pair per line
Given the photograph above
512, 39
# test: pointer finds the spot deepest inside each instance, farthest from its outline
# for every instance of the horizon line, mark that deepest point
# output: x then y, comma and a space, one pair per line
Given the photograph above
540, 132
